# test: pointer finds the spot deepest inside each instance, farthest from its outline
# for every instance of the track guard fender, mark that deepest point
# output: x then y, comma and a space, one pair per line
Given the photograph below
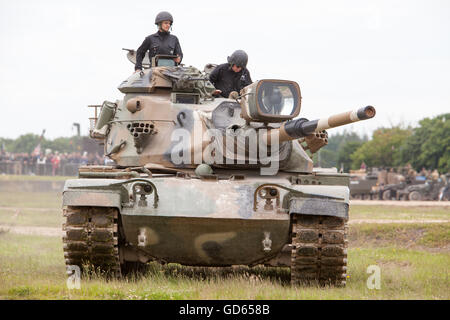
319, 206
90, 198
93, 192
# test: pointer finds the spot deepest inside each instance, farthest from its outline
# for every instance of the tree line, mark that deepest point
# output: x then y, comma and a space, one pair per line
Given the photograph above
26, 143
427, 145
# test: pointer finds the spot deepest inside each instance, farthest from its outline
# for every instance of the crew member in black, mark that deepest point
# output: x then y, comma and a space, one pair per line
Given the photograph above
231, 76
161, 42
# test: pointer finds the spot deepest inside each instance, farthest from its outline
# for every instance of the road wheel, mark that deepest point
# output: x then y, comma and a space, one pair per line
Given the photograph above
415, 196
387, 195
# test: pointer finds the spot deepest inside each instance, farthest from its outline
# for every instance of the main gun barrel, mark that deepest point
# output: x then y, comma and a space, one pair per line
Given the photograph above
295, 129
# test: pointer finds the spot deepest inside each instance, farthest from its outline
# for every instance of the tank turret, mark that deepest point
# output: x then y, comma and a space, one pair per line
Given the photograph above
170, 118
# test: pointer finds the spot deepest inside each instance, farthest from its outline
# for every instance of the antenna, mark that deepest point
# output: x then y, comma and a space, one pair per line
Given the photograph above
77, 125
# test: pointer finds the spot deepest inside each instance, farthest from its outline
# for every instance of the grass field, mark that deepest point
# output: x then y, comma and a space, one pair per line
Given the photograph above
6, 177
31, 200
32, 267
414, 260
401, 213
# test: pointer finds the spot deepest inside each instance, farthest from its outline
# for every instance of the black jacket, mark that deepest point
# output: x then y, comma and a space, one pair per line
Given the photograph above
158, 43
226, 80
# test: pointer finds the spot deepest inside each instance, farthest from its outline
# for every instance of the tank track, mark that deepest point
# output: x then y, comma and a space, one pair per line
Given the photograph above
319, 250
91, 238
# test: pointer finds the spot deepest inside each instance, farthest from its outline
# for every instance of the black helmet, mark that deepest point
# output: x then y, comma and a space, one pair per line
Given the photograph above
163, 16
239, 58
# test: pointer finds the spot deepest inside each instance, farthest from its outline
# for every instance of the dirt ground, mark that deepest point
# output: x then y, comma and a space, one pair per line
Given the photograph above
400, 203
377, 221
35, 231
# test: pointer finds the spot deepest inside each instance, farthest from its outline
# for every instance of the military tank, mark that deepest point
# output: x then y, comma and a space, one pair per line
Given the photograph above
205, 181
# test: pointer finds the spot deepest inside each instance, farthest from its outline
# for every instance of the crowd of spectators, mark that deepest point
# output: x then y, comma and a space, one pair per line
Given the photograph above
47, 163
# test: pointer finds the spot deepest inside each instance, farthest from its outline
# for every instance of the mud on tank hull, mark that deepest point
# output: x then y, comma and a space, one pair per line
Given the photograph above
203, 222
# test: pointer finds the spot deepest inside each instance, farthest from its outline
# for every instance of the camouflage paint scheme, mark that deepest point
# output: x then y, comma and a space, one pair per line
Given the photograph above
189, 219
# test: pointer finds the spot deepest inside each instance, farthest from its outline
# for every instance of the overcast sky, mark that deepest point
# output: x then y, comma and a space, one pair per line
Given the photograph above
59, 56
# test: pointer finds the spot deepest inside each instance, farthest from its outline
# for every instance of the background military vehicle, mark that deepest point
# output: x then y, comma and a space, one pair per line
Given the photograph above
390, 183
444, 193
361, 184
179, 192
430, 190
389, 191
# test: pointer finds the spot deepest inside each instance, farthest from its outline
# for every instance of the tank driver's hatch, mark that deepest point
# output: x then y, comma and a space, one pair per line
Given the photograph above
131, 55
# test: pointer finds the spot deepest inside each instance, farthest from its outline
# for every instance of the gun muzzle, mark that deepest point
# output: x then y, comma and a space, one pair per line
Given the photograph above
295, 129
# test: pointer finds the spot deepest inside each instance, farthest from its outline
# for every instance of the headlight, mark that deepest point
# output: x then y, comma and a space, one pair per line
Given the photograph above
271, 101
